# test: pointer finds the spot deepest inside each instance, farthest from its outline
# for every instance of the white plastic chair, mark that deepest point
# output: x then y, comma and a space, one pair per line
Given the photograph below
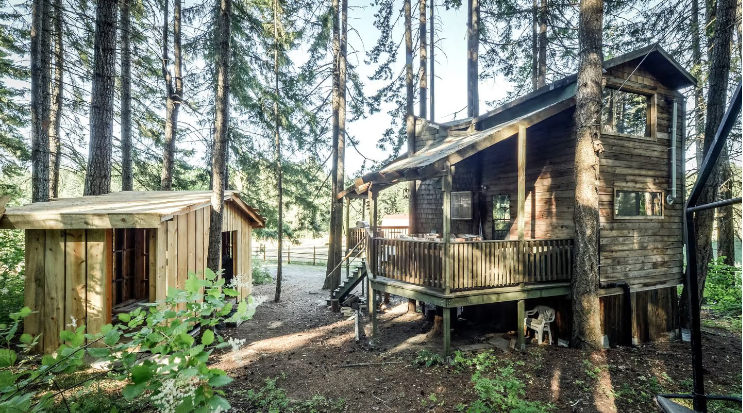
541, 323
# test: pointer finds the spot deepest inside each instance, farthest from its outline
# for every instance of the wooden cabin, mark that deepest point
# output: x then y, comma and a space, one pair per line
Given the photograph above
94, 256
493, 200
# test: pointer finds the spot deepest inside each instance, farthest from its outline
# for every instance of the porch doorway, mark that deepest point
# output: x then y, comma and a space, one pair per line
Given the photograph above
229, 256
130, 276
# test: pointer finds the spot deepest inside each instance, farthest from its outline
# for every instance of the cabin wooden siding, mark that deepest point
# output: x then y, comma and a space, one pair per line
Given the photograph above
68, 271
647, 253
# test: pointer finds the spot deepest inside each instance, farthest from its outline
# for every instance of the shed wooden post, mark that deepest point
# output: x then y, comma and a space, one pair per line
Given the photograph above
446, 227
522, 199
521, 310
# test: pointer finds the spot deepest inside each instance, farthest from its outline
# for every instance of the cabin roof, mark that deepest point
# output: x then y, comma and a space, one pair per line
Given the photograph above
131, 209
469, 136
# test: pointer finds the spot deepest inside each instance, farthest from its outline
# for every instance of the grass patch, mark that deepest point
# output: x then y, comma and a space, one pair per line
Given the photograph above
272, 399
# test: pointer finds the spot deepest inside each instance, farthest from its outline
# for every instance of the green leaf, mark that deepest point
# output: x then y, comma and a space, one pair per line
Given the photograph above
26, 338
188, 373
142, 373
216, 402
24, 312
7, 357
207, 338
124, 317
186, 338
98, 352
209, 275
66, 335
220, 380
133, 390
230, 292
47, 360
112, 337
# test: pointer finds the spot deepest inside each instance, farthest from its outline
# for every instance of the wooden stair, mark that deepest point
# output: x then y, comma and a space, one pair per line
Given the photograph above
358, 273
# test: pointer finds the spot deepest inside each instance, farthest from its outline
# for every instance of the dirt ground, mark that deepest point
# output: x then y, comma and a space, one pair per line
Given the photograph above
310, 351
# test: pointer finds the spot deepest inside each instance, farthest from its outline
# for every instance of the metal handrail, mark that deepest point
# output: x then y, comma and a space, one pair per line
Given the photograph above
346, 257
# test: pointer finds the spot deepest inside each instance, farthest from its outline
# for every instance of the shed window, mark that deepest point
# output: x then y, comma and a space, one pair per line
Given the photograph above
501, 216
461, 205
625, 113
638, 204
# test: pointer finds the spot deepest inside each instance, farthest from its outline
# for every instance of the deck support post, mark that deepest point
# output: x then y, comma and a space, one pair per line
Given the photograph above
348, 235
374, 296
446, 185
373, 192
447, 331
522, 200
521, 311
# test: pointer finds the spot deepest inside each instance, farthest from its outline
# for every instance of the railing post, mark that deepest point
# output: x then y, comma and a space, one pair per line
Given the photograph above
289, 253
446, 230
522, 200
373, 192
348, 224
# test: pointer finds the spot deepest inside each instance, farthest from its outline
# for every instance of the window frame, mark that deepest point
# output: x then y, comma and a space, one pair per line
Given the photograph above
641, 190
455, 194
651, 126
509, 220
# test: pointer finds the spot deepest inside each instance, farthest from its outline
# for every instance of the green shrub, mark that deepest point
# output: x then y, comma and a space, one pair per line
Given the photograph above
428, 358
260, 272
722, 291
272, 399
497, 386
156, 352
12, 272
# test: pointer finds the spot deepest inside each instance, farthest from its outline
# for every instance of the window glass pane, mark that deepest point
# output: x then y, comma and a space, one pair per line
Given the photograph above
461, 205
624, 112
501, 216
638, 203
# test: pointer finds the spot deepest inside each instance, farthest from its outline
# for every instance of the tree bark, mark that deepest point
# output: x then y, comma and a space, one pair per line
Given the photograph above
473, 46
432, 62
719, 70
40, 65
277, 142
534, 45
127, 177
336, 209
98, 177
423, 61
174, 88
410, 96
542, 75
585, 282
55, 113
221, 125
725, 215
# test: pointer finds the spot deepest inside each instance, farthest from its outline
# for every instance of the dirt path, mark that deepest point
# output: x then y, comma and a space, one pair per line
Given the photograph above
305, 347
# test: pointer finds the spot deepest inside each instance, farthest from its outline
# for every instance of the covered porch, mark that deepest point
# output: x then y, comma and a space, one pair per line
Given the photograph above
438, 262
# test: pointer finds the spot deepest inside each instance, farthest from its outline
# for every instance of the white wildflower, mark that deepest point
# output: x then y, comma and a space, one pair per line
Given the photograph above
235, 343
172, 392
73, 322
4, 290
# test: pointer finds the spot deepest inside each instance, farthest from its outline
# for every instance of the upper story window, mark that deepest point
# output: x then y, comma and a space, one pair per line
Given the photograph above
625, 113
501, 216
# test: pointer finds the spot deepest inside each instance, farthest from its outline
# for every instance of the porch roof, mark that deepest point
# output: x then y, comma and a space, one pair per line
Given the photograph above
459, 145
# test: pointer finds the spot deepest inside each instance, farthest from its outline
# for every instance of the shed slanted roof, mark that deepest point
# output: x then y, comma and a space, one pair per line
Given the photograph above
132, 209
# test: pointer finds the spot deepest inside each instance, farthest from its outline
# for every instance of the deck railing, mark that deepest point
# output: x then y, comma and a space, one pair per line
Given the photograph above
357, 234
474, 265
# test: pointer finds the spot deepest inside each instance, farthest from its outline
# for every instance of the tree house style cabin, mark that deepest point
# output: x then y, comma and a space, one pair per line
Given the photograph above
491, 217
91, 257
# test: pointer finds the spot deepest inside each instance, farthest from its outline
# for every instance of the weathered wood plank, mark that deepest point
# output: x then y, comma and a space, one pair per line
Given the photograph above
75, 277
99, 279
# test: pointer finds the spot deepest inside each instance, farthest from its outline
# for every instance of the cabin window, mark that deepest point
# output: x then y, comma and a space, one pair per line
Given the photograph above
625, 113
461, 205
501, 216
638, 204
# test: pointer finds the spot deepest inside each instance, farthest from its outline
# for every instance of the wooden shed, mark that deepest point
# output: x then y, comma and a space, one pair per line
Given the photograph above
90, 257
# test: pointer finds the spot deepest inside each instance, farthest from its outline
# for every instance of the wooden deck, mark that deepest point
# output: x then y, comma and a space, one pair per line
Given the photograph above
471, 268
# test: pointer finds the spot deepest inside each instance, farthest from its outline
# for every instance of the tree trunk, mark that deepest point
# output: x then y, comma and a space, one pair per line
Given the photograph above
336, 210
696, 59
534, 45
423, 60
432, 63
473, 46
40, 101
174, 94
277, 142
585, 282
725, 215
542, 75
98, 177
55, 112
221, 125
127, 176
410, 95
719, 70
